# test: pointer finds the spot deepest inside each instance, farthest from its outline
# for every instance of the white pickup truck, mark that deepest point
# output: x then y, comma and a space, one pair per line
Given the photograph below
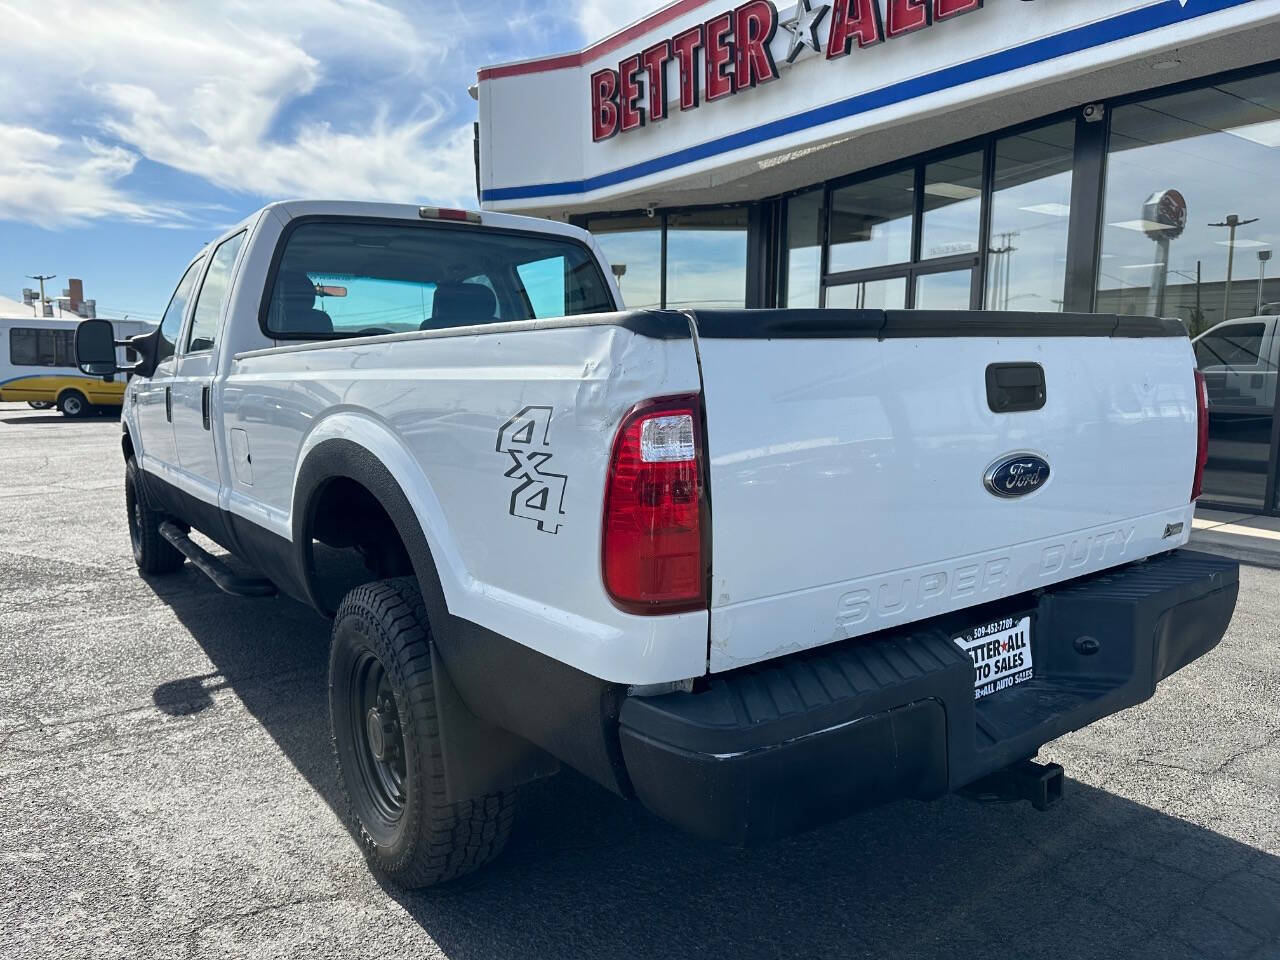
756, 569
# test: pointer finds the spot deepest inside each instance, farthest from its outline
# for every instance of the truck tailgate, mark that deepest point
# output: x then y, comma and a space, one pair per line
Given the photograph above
848, 449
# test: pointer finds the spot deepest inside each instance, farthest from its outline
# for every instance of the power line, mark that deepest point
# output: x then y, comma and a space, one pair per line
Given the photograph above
146, 315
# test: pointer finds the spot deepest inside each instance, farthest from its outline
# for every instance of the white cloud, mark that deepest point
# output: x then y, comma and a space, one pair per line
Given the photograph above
599, 18
45, 179
327, 98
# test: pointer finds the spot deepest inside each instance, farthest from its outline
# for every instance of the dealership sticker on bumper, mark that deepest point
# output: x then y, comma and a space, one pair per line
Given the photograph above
1001, 654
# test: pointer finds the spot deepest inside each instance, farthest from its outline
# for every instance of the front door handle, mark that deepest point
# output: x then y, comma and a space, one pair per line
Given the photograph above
168, 405
204, 405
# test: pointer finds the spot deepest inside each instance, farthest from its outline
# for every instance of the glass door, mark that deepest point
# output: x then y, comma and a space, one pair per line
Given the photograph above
888, 293
1188, 232
944, 289
935, 286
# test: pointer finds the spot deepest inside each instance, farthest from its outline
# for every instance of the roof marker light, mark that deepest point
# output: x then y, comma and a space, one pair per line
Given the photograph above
448, 213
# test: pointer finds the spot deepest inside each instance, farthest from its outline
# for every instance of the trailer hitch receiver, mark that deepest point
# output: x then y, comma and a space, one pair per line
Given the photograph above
1038, 783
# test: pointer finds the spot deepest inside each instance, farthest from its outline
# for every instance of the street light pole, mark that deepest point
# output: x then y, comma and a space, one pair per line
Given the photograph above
1233, 221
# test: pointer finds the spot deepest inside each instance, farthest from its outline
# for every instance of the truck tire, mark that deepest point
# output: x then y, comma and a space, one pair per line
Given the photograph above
73, 404
386, 737
151, 552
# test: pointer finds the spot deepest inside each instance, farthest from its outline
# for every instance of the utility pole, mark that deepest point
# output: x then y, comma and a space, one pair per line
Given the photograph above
1000, 269
1263, 257
42, 279
1232, 222
1199, 312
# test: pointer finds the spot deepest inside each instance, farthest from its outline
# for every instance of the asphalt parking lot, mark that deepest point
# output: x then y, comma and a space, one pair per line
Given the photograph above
166, 790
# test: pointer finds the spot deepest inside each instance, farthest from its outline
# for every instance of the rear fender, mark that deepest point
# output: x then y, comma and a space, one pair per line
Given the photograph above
360, 449
355, 445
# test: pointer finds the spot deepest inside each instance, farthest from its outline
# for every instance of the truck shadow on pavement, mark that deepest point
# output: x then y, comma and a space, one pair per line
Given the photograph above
589, 875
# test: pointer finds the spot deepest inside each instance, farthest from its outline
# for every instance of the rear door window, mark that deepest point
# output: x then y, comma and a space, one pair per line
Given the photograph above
345, 278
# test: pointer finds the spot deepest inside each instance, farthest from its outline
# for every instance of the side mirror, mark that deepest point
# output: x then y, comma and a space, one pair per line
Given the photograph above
96, 348
147, 348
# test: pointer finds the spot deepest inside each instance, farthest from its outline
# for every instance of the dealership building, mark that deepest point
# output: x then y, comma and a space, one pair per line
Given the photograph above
1120, 156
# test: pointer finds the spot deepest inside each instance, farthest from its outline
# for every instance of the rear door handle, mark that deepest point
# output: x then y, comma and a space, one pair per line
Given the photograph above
204, 405
168, 405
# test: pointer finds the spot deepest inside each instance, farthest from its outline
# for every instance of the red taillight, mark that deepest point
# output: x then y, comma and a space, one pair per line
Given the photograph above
653, 553
1202, 435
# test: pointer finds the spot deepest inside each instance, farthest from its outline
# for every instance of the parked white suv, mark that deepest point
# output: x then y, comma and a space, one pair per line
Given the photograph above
755, 568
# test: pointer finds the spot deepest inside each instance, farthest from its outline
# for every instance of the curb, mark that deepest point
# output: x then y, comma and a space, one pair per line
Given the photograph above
1230, 545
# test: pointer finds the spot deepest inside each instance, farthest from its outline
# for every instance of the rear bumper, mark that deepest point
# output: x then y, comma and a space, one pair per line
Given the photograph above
784, 745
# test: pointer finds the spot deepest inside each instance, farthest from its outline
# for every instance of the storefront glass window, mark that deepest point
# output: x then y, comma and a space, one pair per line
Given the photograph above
707, 258
633, 247
889, 294
952, 206
1187, 210
803, 266
1030, 213
1190, 223
871, 222
944, 291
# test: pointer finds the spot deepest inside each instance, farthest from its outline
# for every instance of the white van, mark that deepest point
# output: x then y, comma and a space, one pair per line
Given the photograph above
38, 365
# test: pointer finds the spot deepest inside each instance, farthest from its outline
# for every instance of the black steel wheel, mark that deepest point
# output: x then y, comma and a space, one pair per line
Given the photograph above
386, 738
151, 552
378, 737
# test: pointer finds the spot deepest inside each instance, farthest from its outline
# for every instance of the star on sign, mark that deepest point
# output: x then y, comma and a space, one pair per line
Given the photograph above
802, 24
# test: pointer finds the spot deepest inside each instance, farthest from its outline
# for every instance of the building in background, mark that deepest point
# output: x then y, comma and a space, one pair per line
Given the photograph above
71, 304
1067, 156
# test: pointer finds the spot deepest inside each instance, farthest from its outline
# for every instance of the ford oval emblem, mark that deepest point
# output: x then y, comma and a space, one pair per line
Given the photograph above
1017, 475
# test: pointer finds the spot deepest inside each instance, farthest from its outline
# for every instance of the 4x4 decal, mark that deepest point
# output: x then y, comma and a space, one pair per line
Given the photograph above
540, 494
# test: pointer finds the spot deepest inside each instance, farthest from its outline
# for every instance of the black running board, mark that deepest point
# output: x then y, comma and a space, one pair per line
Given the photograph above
222, 576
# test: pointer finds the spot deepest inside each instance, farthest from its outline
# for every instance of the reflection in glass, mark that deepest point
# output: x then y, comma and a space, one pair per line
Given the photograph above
1188, 231
889, 294
952, 204
1238, 359
803, 264
707, 258
1030, 213
944, 291
633, 247
871, 222
1217, 148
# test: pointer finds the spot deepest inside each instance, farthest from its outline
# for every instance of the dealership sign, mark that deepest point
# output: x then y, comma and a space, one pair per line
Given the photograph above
733, 51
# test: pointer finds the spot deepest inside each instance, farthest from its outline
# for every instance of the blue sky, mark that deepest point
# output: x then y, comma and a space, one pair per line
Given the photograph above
131, 132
